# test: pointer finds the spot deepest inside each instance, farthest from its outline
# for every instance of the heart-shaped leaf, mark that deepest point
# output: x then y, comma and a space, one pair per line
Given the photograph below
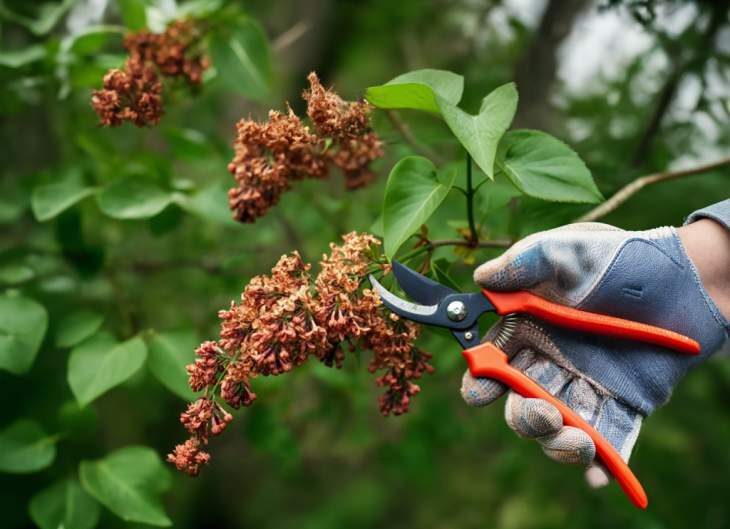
480, 134
412, 194
169, 353
241, 58
25, 448
64, 505
129, 482
544, 167
77, 326
100, 363
418, 90
23, 324
48, 201
131, 198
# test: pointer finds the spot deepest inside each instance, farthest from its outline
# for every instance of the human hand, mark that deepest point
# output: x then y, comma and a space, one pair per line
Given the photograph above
612, 384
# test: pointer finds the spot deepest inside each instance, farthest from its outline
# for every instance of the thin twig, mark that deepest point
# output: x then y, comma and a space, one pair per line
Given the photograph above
290, 36
637, 185
473, 235
495, 243
410, 139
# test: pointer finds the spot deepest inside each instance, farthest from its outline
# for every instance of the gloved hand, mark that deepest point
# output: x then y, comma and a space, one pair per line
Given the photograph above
612, 384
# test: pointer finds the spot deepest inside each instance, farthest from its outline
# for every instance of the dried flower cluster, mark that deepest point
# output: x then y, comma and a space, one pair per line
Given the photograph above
287, 317
270, 156
134, 93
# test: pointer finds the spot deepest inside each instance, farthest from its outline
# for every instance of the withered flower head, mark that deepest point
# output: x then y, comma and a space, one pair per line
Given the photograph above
188, 457
286, 317
270, 156
332, 116
176, 52
135, 93
204, 371
132, 94
267, 158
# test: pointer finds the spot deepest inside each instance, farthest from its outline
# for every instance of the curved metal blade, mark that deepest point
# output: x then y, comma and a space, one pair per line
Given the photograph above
407, 309
419, 287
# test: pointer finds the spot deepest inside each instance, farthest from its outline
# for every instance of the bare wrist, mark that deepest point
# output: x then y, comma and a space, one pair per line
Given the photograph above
707, 244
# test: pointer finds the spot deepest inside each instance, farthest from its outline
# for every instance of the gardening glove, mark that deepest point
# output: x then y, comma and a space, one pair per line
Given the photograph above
612, 384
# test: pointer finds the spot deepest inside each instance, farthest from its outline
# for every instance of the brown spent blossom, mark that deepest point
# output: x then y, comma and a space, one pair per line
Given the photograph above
188, 457
134, 93
270, 156
267, 158
285, 318
175, 52
347, 123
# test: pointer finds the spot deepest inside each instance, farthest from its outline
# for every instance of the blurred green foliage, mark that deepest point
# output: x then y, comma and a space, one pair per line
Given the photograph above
117, 249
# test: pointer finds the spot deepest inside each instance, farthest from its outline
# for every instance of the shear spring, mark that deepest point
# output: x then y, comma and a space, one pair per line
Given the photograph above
506, 330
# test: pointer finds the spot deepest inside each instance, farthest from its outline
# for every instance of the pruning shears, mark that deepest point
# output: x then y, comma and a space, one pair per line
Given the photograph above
439, 305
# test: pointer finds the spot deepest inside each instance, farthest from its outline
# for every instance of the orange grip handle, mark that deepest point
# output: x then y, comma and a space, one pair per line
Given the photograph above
580, 320
486, 360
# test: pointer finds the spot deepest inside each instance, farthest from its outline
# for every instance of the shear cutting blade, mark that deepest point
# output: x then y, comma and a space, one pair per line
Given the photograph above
419, 287
407, 309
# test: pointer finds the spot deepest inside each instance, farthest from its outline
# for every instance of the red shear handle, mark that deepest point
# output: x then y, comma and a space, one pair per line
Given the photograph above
486, 360
521, 301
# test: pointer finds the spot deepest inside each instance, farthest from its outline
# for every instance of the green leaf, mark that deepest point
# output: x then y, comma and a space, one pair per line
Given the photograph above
77, 326
480, 134
129, 482
100, 363
14, 273
133, 13
21, 57
23, 324
418, 90
64, 505
440, 269
170, 352
47, 15
198, 8
241, 58
209, 203
25, 448
188, 143
91, 40
47, 201
542, 166
412, 194
131, 198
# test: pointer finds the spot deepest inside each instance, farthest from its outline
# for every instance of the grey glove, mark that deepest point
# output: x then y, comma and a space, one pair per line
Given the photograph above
612, 384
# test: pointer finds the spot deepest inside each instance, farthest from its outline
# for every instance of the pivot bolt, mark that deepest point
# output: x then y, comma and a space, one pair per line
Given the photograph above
456, 310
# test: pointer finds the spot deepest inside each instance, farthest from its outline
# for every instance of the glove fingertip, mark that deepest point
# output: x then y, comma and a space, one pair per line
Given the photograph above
597, 476
570, 445
480, 391
494, 274
532, 418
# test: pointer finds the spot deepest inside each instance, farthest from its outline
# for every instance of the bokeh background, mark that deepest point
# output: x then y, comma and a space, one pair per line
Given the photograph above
633, 86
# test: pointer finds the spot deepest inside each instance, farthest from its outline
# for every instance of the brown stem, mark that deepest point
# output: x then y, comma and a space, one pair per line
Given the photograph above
637, 185
405, 131
473, 235
495, 243
290, 36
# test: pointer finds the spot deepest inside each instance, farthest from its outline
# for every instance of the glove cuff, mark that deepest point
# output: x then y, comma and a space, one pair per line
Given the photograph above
719, 212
